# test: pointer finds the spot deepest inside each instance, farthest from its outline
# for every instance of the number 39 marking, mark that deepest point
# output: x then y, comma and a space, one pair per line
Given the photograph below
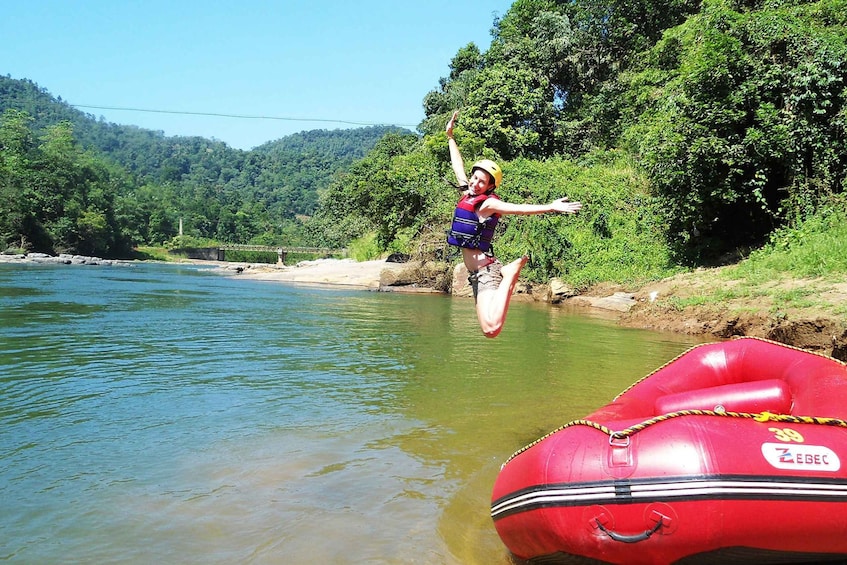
787, 434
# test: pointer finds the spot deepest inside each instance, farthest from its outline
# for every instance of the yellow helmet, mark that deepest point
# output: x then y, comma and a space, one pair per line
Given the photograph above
491, 168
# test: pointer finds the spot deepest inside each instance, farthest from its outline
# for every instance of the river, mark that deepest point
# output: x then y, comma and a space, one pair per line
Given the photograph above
165, 413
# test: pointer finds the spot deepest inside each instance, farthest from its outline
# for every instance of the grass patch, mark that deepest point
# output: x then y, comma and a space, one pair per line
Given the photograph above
242, 256
797, 297
364, 248
679, 304
794, 272
815, 248
617, 237
151, 254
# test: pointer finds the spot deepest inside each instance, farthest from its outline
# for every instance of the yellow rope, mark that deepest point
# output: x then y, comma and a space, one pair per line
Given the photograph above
628, 432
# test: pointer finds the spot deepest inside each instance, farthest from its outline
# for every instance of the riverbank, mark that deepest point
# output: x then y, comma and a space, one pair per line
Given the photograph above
805, 313
679, 304
684, 303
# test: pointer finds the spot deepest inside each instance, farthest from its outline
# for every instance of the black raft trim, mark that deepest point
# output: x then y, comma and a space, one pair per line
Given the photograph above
666, 489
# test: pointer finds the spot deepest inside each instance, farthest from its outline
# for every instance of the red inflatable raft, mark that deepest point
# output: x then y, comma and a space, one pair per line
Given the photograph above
733, 452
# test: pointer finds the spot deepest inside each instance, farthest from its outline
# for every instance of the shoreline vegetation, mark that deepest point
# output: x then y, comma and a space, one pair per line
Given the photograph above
711, 302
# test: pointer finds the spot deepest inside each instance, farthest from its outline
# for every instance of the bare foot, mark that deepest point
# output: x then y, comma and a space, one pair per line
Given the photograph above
513, 269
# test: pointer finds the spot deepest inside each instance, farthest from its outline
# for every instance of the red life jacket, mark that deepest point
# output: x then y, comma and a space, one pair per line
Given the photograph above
468, 230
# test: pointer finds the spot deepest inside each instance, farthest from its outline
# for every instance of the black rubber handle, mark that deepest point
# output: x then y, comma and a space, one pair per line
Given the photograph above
632, 538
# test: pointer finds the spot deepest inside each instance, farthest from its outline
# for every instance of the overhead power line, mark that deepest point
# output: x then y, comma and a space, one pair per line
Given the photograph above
237, 116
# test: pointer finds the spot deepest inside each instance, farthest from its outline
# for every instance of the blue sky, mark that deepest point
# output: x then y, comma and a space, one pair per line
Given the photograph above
364, 61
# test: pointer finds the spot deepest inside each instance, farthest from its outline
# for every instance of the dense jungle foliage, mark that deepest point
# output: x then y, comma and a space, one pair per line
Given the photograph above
691, 130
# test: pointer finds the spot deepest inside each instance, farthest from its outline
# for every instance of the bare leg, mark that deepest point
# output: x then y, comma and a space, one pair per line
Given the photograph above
492, 305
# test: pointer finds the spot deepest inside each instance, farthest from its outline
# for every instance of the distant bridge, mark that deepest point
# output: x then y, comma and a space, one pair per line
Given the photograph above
217, 253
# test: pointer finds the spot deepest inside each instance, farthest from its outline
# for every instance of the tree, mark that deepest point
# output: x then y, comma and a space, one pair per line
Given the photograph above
512, 110
16, 204
743, 125
390, 190
55, 196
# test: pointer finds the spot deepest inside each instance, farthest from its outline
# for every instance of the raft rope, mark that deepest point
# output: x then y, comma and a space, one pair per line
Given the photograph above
626, 433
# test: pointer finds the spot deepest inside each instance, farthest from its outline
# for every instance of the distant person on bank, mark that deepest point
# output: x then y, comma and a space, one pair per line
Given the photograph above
474, 220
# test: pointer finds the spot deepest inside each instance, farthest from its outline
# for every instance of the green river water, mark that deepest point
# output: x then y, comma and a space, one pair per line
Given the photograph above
168, 414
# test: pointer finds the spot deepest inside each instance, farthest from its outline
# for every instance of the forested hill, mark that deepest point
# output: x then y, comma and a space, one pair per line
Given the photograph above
157, 157
140, 151
219, 192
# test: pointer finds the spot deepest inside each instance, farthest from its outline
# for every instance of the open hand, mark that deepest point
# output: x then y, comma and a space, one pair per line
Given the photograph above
451, 123
563, 206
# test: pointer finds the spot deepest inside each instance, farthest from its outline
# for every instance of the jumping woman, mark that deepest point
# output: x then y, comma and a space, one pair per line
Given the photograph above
474, 220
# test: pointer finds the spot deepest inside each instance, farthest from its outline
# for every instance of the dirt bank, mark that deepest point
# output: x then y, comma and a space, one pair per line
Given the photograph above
676, 304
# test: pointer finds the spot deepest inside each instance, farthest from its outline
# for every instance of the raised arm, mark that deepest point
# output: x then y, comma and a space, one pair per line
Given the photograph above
455, 156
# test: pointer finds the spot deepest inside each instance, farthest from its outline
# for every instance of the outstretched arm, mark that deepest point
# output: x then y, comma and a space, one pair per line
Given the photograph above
495, 206
455, 155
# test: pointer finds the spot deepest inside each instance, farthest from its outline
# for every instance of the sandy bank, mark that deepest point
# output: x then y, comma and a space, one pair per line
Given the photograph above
343, 272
